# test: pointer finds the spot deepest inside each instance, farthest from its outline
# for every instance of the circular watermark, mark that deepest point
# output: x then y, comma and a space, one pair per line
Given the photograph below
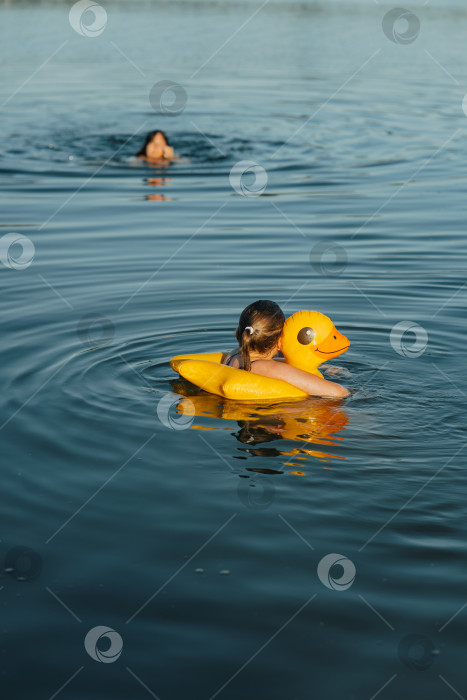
175, 414
168, 97
328, 258
94, 329
16, 251
401, 26
336, 572
23, 563
256, 494
84, 10
403, 333
114, 644
248, 178
416, 651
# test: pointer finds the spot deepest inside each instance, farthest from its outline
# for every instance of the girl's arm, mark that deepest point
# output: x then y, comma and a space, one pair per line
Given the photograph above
313, 386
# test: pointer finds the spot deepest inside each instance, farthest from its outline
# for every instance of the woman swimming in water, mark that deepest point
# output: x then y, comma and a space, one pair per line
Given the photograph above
259, 337
156, 148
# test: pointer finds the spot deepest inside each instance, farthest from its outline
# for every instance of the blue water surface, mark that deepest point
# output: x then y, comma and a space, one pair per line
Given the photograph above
199, 531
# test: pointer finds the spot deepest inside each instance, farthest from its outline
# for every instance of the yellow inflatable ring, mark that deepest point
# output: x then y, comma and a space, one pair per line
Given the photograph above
308, 339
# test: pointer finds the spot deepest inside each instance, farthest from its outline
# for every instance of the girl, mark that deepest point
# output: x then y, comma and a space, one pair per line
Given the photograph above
259, 337
156, 147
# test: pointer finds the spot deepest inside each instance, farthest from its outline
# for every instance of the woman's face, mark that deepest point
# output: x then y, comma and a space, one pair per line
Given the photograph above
158, 149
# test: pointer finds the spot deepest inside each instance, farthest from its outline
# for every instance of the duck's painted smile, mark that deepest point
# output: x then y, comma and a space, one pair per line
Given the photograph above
332, 352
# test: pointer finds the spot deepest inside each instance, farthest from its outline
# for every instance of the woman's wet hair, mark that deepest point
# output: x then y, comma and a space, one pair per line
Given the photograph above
267, 320
149, 138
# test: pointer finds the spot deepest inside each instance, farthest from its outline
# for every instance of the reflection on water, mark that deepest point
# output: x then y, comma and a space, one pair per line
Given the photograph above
158, 182
363, 217
311, 421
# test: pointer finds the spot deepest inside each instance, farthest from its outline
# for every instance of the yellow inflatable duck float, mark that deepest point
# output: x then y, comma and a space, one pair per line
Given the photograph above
308, 339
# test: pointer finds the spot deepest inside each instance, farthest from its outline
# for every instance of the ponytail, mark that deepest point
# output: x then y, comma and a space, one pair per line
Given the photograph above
259, 328
245, 348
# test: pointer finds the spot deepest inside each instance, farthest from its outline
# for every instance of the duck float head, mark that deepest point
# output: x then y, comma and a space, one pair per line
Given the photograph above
310, 338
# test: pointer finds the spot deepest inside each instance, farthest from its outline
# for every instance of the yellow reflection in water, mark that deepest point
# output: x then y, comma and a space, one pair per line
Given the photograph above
310, 422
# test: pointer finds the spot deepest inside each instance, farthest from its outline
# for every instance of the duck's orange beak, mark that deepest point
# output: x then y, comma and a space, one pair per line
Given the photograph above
333, 345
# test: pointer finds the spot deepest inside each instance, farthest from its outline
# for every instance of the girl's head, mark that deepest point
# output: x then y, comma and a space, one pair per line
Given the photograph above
259, 329
156, 147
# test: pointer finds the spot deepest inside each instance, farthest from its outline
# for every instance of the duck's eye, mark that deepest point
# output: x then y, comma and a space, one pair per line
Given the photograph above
305, 336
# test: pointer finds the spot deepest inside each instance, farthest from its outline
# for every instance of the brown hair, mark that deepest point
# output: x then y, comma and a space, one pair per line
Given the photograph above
149, 138
266, 319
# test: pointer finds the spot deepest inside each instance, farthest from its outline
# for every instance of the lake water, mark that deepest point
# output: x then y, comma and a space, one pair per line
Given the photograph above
301, 550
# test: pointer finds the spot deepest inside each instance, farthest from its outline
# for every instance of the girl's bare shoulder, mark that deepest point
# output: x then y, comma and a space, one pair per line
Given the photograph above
268, 368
